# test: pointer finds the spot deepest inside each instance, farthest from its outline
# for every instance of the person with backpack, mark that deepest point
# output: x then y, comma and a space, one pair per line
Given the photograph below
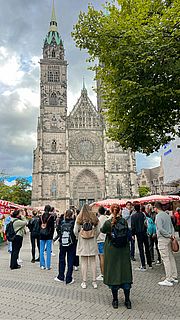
6, 222
67, 241
18, 222
87, 229
117, 261
46, 237
127, 213
34, 228
139, 228
152, 233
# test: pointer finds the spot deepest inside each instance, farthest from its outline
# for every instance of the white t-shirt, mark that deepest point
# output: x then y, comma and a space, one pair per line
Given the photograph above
102, 218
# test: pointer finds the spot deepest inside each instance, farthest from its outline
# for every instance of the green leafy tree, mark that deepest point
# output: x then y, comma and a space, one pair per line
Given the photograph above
144, 191
137, 45
5, 192
19, 193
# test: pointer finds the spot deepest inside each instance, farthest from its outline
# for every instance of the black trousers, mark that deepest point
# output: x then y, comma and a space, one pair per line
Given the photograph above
153, 240
16, 246
35, 240
70, 253
142, 240
76, 258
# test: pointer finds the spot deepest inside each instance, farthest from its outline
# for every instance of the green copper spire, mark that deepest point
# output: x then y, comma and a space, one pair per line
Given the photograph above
53, 23
53, 34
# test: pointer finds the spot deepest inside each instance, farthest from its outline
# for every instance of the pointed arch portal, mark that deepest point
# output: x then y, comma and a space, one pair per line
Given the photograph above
86, 188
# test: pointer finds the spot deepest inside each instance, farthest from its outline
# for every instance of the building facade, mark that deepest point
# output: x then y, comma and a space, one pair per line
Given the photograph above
154, 179
74, 163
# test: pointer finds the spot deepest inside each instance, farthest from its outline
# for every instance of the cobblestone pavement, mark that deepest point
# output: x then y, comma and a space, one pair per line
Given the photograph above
31, 293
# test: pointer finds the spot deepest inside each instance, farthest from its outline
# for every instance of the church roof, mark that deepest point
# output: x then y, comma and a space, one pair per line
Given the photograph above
84, 113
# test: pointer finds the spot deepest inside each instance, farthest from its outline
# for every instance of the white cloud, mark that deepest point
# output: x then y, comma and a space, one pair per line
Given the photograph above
10, 73
147, 162
10, 183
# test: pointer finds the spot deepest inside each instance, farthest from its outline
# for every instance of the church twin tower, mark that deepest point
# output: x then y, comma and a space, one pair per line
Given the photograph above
74, 163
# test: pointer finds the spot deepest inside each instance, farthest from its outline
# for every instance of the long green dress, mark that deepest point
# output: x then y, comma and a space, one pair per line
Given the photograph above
117, 262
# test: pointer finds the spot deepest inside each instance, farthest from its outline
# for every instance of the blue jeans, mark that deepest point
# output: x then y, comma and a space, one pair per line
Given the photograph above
70, 251
48, 244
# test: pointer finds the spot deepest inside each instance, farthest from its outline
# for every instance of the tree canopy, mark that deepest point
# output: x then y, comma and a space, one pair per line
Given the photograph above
137, 45
19, 193
144, 191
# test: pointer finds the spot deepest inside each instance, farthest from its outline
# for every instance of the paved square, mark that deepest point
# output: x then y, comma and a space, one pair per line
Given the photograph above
30, 293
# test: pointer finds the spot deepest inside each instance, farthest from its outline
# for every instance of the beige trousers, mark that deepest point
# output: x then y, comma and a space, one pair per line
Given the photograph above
168, 259
84, 266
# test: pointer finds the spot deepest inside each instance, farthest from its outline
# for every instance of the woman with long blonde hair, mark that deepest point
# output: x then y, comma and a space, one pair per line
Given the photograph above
87, 230
117, 263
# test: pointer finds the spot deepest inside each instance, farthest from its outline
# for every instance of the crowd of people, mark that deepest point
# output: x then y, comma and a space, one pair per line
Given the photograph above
110, 234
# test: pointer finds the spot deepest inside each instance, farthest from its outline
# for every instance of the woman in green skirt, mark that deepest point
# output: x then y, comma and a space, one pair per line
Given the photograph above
117, 262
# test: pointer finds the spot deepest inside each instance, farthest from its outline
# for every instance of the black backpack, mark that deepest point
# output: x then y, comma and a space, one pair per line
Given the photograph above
119, 234
10, 233
87, 226
35, 231
66, 231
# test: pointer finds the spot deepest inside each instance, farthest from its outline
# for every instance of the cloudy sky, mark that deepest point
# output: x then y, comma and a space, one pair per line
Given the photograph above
23, 26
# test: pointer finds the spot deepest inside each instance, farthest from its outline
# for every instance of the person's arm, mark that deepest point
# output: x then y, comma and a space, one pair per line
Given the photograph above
126, 214
76, 229
97, 229
133, 230
52, 225
106, 228
161, 230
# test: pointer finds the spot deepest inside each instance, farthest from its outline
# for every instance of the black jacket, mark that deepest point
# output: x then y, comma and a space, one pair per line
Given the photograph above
34, 226
138, 223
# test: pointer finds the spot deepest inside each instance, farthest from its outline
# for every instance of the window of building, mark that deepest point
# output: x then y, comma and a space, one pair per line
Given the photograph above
53, 145
53, 189
50, 76
53, 72
53, 99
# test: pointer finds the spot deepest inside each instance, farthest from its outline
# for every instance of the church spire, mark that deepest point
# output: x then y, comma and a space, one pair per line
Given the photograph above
53, 22
84, 90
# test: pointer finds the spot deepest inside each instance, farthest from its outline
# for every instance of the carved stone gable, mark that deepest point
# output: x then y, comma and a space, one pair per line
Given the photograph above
84, 115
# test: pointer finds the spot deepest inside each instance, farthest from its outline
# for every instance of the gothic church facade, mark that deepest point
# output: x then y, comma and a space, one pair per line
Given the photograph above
73, 162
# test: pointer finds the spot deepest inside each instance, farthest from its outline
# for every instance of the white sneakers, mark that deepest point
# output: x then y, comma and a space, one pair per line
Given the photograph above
174, 280
100, 277
83, 285
76, 268
43, 268
94, 284
71, 281
57, 279
140, 269
166, 283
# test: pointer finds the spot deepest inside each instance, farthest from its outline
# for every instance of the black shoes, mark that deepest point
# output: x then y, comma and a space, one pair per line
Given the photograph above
37, 260
115, 304
18, 267
33, 260
128, 304
133, 259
